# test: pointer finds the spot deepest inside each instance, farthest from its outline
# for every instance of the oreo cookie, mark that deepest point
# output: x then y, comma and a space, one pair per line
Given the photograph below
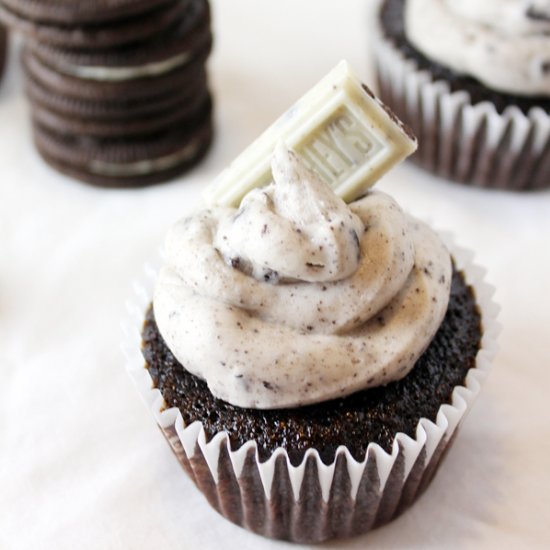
66, 12
72, 34
119, 105
100, 128
127, 162
129, 88
119, 93
174, 46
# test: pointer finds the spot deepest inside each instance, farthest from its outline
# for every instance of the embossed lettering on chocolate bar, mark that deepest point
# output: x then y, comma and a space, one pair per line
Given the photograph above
337, 148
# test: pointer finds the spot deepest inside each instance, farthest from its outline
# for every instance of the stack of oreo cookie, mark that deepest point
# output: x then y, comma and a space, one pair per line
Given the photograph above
118, 88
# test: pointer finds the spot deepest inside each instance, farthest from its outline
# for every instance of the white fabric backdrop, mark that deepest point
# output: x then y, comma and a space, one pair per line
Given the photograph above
82, 464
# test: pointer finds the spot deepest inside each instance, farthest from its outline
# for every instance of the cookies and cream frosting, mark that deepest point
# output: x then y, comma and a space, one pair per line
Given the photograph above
296, 297
505, 44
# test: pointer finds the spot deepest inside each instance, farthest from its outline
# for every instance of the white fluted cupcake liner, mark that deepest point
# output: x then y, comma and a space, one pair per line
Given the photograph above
313, 502
471, 144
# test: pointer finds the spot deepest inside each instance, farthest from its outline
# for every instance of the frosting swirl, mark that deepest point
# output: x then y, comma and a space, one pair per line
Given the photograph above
296, 230
505, 44
296, 297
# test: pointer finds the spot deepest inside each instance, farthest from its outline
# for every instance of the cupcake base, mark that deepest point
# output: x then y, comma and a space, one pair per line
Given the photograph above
306, 516
467, 132
314, 501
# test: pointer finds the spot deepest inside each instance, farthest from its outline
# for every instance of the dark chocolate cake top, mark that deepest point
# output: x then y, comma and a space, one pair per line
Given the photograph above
375, 415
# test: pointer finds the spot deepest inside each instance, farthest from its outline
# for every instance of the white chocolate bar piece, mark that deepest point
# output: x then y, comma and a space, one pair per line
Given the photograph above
339, 128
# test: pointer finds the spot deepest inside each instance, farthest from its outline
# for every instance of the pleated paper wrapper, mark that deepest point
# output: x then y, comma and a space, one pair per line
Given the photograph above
312, 502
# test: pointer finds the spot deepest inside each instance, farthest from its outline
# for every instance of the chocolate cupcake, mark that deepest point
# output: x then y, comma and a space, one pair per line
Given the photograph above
473, 81
308, 359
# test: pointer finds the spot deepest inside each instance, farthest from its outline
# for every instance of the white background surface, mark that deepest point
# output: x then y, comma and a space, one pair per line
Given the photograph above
82, 464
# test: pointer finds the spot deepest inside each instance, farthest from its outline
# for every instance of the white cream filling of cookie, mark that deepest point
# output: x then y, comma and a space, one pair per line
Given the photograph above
120, 74
144, 167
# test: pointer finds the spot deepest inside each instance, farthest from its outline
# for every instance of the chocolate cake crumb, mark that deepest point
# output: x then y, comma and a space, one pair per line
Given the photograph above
374, 415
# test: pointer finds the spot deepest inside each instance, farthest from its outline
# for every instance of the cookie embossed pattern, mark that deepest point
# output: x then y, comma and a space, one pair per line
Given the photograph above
278, 408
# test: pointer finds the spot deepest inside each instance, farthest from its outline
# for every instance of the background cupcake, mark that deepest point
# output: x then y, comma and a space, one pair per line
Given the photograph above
473, 81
